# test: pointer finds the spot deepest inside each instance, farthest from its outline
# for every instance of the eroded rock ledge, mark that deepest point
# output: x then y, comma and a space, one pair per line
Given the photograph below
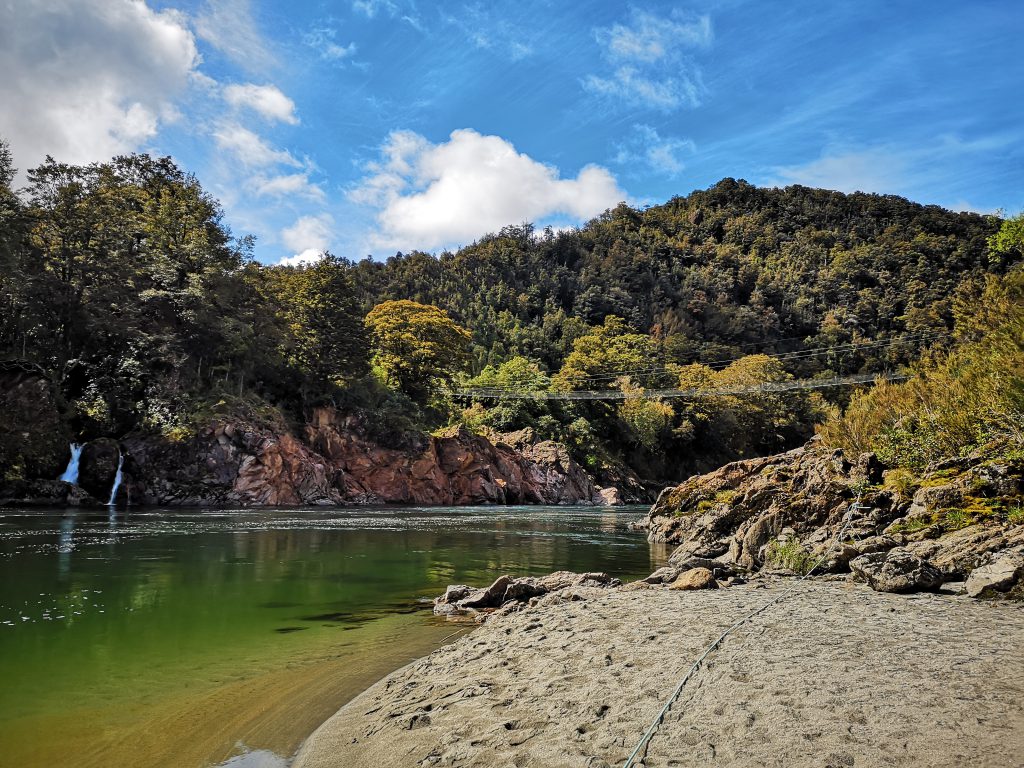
960, 519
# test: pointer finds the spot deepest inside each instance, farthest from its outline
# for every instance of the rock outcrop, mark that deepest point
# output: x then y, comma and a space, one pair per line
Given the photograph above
896, 570
251, 462
450, 468
507, 594
899, 533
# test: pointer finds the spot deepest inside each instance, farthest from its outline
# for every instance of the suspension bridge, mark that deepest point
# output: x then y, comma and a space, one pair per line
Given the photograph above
599, 386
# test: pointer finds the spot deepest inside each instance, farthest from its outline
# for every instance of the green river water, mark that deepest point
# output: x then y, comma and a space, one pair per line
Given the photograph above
224, 637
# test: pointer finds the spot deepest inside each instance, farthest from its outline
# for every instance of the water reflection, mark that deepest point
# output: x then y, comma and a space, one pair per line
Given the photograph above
126, 611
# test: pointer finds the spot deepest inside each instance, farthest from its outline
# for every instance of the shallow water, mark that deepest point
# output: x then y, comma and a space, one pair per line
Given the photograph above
201, 637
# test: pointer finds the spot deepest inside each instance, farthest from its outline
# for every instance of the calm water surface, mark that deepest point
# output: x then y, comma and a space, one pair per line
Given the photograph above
199, 638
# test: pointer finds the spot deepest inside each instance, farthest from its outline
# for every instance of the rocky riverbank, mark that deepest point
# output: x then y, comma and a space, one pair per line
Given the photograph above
960, 519
835, 675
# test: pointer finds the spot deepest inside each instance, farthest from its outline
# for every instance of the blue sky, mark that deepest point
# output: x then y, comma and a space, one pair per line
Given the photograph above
371, 126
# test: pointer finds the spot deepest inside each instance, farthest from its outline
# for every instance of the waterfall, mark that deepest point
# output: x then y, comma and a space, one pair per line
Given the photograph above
117, 480
71, 473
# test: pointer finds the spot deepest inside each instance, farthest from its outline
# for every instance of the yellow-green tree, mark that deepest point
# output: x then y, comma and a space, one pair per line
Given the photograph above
648, 419
607, 352
416, 347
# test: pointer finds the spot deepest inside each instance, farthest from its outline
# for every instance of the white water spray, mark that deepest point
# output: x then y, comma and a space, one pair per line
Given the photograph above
117, 480
71, 473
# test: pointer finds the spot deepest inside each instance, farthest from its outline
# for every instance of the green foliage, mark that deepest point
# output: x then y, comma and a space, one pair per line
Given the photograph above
121, 280
902, 482
647, 419
789, 554
958, 400
417, 347
1015, 515
955, 519
911, 525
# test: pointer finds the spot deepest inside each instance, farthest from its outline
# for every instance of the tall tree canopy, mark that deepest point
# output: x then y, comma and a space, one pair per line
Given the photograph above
417, 347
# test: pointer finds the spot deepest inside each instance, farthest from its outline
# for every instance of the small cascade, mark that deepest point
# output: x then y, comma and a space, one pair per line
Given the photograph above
117, 480
71, 473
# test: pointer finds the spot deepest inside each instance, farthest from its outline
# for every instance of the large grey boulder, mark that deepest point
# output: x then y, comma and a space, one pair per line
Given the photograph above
998, 576
897, 570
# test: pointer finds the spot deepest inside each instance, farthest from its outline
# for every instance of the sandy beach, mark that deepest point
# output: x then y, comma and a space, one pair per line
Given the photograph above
835, 675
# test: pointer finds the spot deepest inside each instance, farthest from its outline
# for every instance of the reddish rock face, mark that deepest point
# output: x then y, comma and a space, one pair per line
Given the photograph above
245, 463
456, 467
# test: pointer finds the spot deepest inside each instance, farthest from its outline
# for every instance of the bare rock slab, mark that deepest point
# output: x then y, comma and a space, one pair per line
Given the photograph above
897, 570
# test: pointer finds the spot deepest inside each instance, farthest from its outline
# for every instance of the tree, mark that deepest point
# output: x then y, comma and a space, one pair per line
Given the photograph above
607, 352
416, 347
326, 338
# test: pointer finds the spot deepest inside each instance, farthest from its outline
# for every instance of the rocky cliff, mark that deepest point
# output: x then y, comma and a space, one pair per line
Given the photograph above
255, 462
960, 519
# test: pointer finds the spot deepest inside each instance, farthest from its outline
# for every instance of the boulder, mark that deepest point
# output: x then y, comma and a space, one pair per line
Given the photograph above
695, 578
491, 597
896, 570
506, 593
999, 576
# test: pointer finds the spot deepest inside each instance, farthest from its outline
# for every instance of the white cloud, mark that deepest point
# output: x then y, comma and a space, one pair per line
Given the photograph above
324, 41
229, 26
307, 257
435, 195
650, 68
309, 237
662, 155
266, 100
248, 147
651, 38
289, 185
490, 29
369, 8
84, 80
868, 170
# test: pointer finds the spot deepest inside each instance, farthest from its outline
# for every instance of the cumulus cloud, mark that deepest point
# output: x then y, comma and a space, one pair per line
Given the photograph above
250, 148
435, 195
87, 79
662, 155
265, 100
648, 56
308, 237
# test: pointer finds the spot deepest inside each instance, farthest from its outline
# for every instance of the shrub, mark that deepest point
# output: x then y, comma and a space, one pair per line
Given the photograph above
790, 555
902, 482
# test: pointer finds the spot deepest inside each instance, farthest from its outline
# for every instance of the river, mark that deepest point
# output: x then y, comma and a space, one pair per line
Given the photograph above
224, 637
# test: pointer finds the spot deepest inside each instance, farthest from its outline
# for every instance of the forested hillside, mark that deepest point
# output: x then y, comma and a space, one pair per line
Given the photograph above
121, 281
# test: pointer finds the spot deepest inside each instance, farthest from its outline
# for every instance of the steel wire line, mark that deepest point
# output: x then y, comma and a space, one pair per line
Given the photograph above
496, 393
795, 355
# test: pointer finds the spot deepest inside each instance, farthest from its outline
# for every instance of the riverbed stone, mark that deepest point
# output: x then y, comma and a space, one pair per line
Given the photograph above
695, 578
